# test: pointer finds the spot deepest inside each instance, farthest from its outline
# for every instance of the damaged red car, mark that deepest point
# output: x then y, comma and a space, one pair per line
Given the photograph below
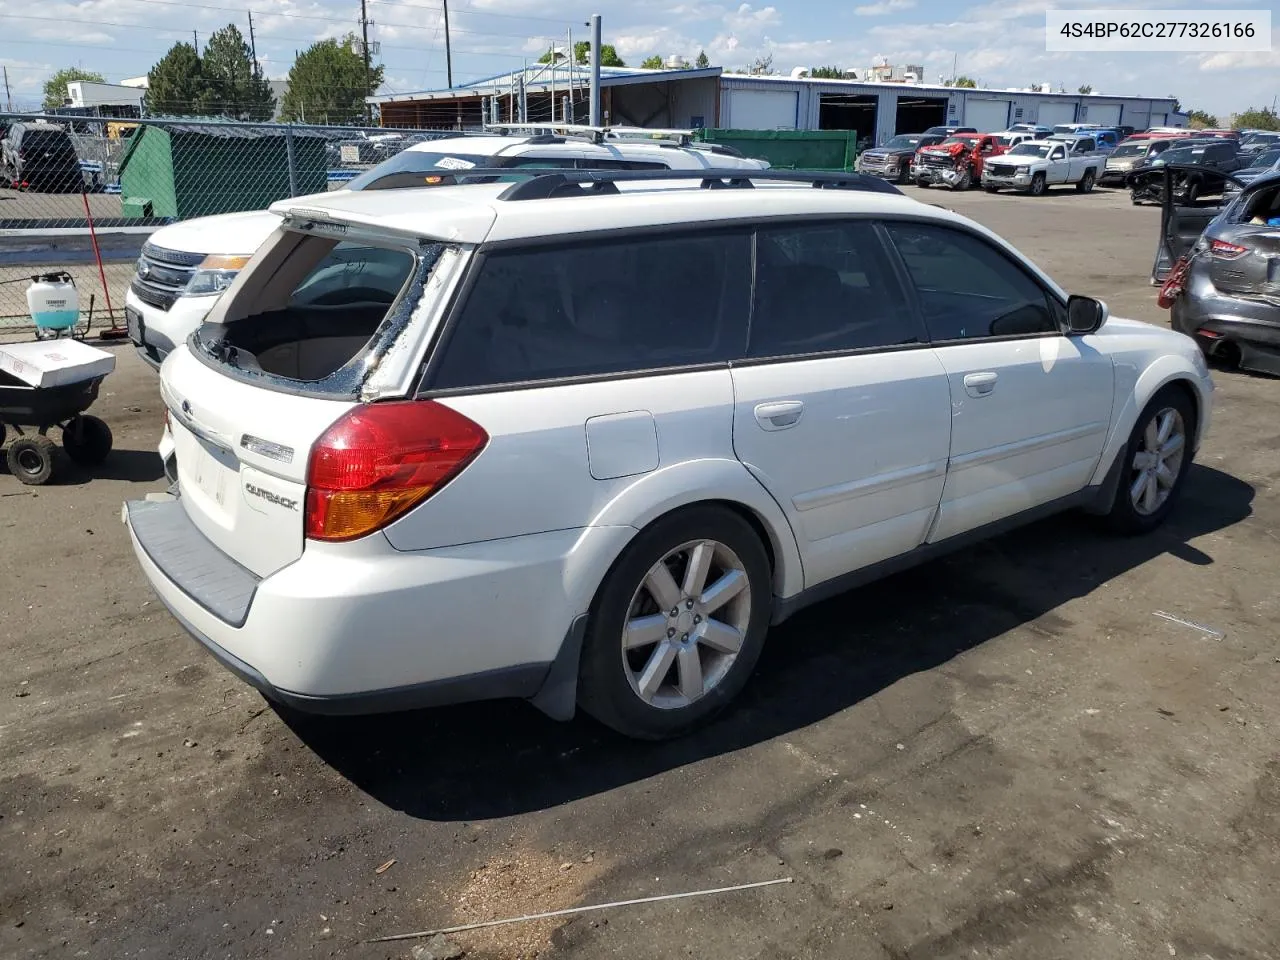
957, 161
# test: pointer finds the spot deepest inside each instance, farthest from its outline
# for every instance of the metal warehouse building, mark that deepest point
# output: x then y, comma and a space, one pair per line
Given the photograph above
712, 98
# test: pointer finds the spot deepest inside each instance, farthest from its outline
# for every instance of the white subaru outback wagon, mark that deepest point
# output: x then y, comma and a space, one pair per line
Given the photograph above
584, 437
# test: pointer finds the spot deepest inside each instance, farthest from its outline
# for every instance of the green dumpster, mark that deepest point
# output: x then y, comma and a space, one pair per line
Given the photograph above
189, 170
791, 149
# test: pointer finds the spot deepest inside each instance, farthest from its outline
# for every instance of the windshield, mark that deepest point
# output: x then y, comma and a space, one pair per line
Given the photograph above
1260, 138
1005, 140
903, 143
408, 168
1131, 149
1030, 150
1268, 159
967, 141
1182, 155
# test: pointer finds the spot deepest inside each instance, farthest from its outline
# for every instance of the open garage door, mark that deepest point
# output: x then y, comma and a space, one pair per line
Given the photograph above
857, 112
762, 109
1104, 114
918, 114
987, 116
1053, 113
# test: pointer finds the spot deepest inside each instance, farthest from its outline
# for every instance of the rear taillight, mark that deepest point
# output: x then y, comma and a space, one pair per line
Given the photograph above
1227, 251
380, 460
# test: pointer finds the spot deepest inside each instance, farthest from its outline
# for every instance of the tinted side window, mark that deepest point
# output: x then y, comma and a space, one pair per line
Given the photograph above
602, 307
824, 287
970, 289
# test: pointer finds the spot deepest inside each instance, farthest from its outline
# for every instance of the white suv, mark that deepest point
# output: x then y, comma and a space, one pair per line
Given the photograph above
184, 267
559, 440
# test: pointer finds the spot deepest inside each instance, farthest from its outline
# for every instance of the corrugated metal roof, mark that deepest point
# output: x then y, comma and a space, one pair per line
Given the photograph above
539, 80
742, 81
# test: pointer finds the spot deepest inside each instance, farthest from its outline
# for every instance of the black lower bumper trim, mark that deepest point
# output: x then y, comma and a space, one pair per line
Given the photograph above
519, 682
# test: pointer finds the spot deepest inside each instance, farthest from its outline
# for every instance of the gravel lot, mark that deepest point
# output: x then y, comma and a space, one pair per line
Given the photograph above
1005, 754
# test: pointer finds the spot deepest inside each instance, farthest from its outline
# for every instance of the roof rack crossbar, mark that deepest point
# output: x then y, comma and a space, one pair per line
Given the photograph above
539, 184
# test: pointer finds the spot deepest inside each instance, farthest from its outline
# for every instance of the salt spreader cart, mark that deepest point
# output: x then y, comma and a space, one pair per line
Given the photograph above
47, 384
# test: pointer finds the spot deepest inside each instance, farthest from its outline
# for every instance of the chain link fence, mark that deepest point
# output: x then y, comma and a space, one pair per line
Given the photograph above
74, 188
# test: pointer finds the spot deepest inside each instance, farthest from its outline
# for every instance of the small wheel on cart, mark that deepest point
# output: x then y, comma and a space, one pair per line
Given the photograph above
87, 440
31, 459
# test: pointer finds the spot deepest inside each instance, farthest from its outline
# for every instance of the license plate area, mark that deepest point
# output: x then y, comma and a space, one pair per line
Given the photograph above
134, 326
209, 474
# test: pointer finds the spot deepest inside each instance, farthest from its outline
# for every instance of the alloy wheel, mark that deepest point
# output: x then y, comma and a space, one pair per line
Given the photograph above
686, 624
1158, 461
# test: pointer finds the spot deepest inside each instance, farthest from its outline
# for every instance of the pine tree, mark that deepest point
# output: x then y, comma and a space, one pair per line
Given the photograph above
327, 84
174, 85
703, 60
234, 85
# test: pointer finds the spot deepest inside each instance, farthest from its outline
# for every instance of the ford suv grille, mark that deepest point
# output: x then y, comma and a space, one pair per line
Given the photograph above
162, 275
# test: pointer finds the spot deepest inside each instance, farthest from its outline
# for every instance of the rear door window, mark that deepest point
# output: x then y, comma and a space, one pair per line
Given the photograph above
826, 287
584, 309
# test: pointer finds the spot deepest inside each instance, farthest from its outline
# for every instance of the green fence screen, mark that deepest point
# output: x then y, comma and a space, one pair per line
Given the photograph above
792, 149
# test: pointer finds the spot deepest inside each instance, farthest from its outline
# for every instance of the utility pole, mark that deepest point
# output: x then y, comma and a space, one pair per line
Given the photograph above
364, 29
253, 45
595, 70
8, 100
448, 50
195, 42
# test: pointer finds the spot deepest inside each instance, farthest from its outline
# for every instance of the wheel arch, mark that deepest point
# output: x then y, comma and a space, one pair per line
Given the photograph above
722, 483
1169, 371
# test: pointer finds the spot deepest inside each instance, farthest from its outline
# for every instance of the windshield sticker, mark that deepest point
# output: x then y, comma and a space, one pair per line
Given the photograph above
454, 163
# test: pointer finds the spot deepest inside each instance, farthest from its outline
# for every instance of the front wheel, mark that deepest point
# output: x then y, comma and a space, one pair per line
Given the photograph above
1086, 183
1038, 185
1156, 460
31, 459
678, 624
965, 181
922, 183
904, 177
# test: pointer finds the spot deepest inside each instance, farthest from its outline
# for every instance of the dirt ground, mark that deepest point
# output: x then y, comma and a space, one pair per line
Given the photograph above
1005, 754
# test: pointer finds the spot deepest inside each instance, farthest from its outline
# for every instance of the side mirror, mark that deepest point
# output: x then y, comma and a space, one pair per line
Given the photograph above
1085, 315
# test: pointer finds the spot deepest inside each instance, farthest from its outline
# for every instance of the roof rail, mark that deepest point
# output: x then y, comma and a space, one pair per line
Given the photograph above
543, 184
599, 133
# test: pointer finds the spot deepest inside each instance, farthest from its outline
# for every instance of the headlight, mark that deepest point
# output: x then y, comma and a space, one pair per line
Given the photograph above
214, 275
1022, 169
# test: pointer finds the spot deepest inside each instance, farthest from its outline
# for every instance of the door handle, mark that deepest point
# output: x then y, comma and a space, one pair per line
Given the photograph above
779, 415
980, 384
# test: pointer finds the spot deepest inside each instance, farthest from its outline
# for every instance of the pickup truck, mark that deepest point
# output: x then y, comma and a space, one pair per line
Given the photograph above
1036, 165
957, 161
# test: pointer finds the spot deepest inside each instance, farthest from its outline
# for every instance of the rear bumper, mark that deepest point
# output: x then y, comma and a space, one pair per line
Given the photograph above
1214, 318
362, 627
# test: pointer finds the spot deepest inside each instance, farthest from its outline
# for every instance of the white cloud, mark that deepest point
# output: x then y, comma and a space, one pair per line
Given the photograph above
883, 8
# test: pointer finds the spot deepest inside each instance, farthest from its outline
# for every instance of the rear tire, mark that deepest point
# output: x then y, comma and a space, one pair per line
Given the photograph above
651, 675
87, 440
1155, 463
30, 459
1086, 183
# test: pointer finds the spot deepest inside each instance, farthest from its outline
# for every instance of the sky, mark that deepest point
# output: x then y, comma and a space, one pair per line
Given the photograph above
1000, 44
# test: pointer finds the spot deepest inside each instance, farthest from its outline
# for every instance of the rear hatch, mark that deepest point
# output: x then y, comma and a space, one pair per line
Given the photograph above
1245, 261
324, 318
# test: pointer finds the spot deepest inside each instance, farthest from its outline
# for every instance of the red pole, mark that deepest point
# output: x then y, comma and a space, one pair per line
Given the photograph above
97, 255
